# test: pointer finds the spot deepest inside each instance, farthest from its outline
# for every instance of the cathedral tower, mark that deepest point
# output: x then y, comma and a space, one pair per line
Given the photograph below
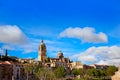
42, 52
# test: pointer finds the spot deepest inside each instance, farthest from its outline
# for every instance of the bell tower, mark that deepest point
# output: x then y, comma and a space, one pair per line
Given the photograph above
42, 52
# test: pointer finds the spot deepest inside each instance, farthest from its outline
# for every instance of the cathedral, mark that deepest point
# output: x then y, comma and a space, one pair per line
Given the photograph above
60, 60
42, 52
42, 57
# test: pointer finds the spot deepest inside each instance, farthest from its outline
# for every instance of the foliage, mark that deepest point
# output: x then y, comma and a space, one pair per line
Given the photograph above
103, 72
44, 74
98, 74
60, 72
29, 68
90, 72
93, 72
77, 72
111, 70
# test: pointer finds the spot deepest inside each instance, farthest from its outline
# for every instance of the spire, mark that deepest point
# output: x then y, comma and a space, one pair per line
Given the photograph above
42, 42
6, 53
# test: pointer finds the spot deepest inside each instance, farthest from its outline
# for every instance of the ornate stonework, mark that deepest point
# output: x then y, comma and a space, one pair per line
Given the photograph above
42, 52
117, 74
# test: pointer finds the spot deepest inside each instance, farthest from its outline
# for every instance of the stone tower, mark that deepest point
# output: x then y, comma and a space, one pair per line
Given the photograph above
42, 52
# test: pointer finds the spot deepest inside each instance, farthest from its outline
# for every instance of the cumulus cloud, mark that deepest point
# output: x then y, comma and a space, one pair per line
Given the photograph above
12, 34
86, 34
31, 47
109, 62
101, 55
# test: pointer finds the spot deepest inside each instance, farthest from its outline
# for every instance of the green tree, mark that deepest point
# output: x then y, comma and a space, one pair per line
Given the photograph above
29, 68
93, 72
44, 74
89, 72
76, 72
81, 72
103, 72
111, 70
96, 73
60, 72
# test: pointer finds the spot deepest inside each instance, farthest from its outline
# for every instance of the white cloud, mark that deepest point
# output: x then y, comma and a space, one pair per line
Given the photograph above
109, 62
13, 38
104, 54
86, 34
31, 47
12, 34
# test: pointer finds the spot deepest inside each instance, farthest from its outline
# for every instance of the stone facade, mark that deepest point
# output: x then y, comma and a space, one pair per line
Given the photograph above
98, 66
76, 65
42, 52
6, 70
18, 72
11, 71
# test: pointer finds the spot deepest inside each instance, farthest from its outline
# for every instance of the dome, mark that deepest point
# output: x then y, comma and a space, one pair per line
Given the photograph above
60, 54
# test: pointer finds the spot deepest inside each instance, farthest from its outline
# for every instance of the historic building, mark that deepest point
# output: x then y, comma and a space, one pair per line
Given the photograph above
76, 65
18, 71
98, 66
60, 58
6, 70
42, 52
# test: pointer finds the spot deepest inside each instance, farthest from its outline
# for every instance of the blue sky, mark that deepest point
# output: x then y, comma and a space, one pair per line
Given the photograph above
85, 30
